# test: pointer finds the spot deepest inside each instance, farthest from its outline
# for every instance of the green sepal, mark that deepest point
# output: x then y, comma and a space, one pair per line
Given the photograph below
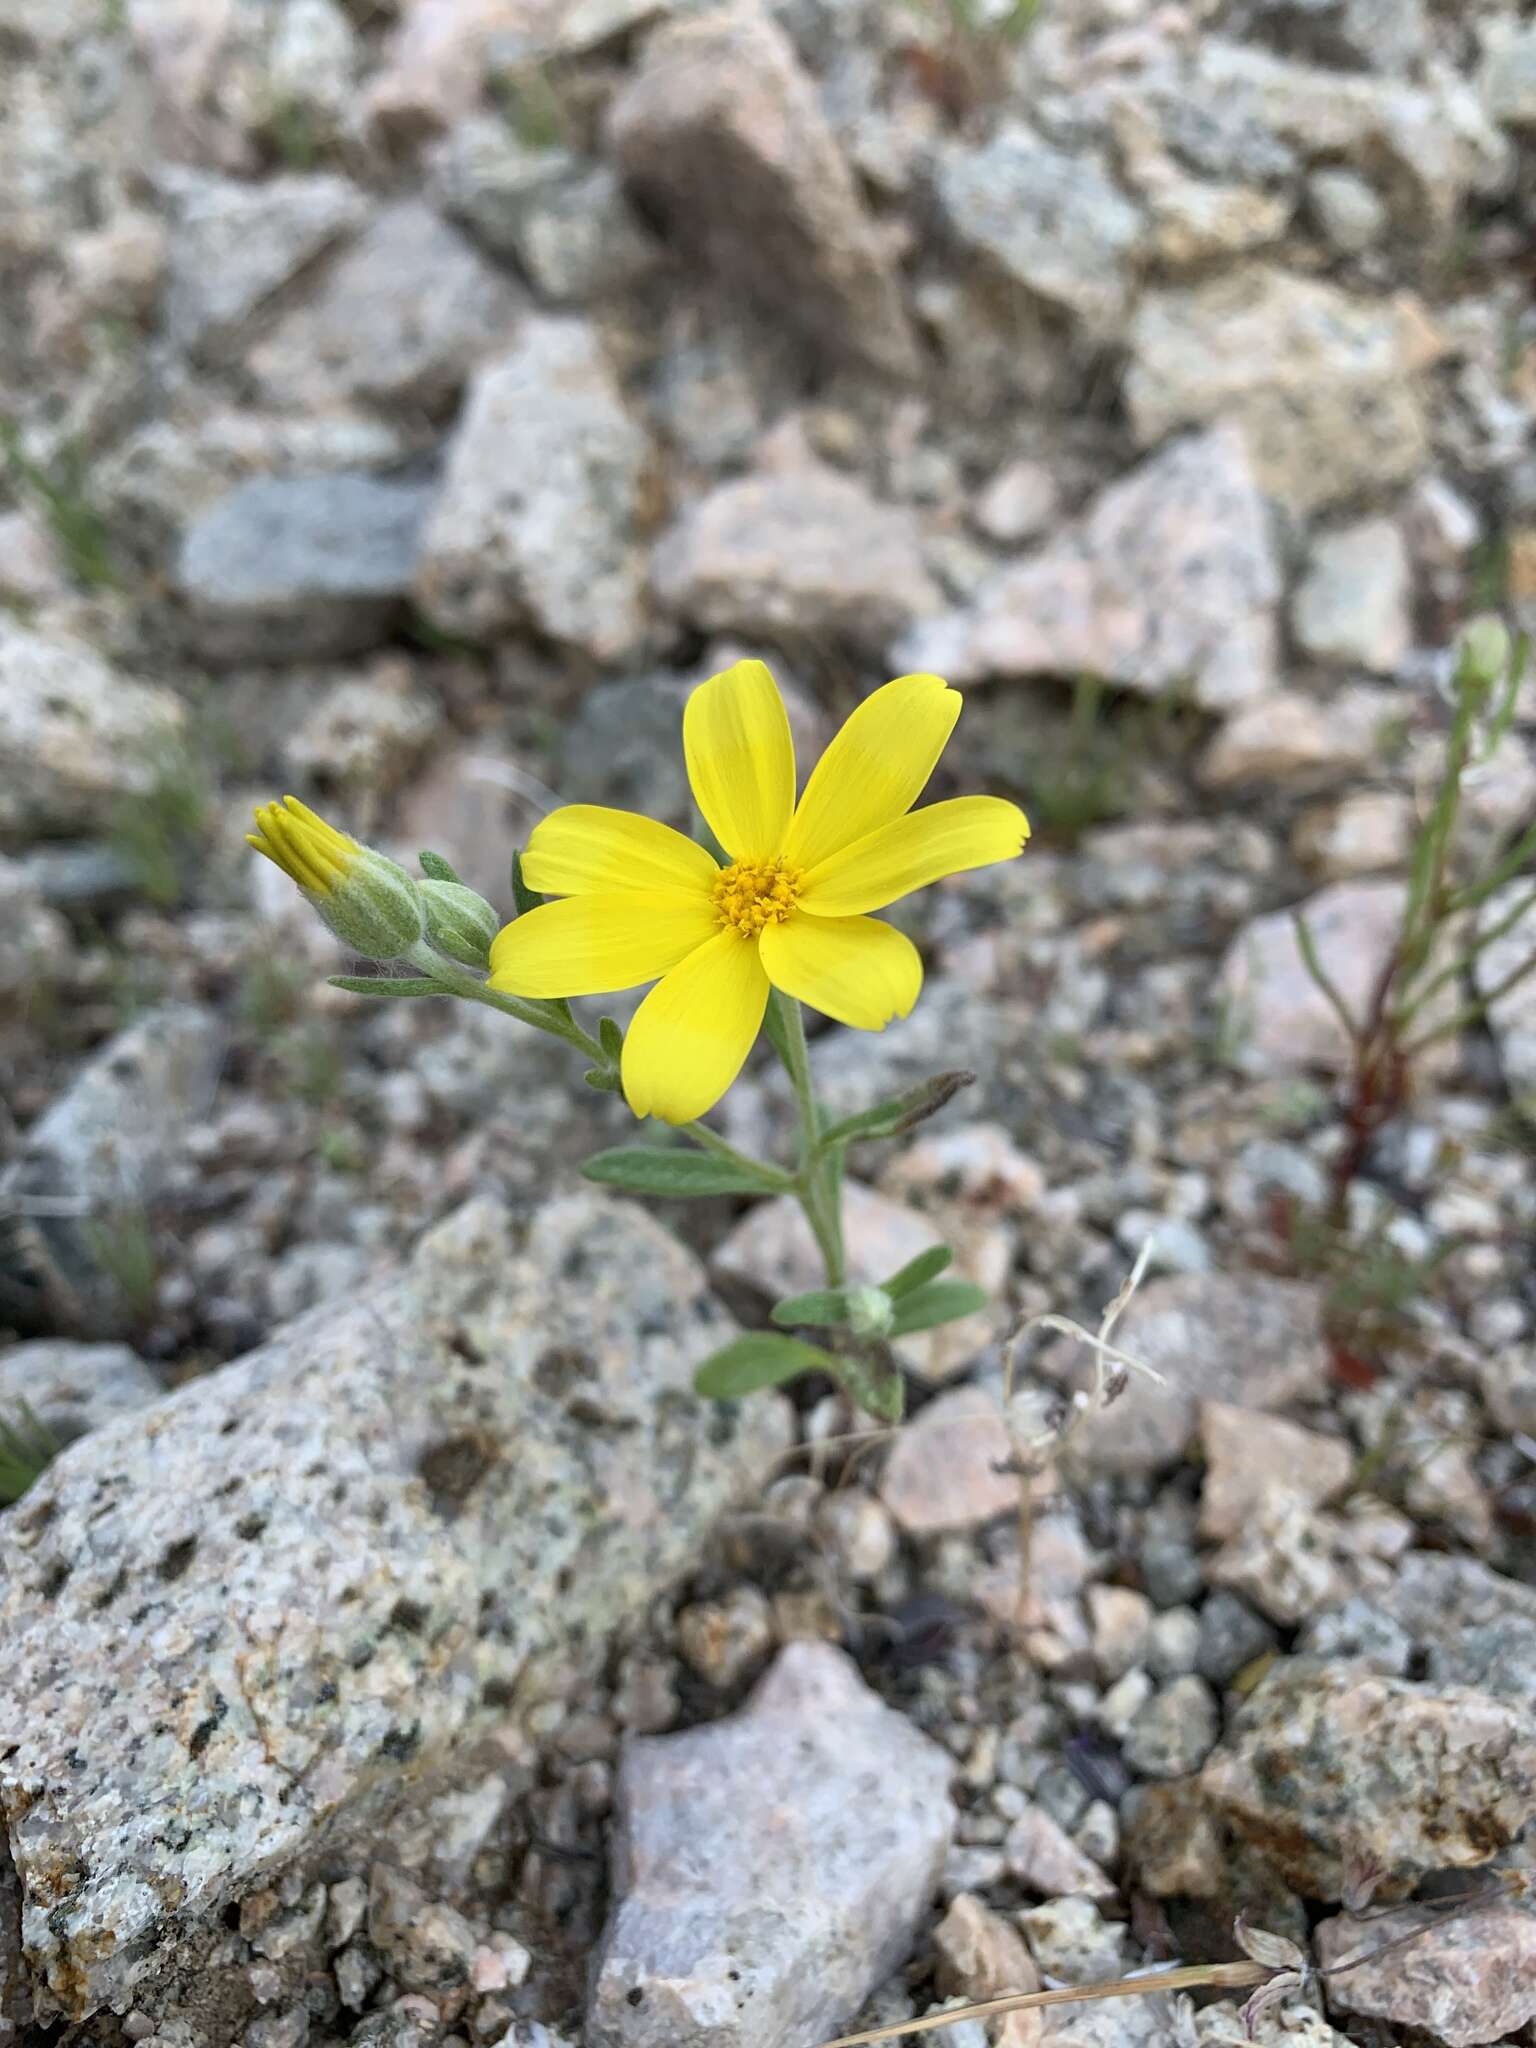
918, 1272
760, 1359
941, 1301
436, 869
773, 1025
603, 1078
610, 1038
824, 1306
524, 898
903, 1112
387, 985
650, 1170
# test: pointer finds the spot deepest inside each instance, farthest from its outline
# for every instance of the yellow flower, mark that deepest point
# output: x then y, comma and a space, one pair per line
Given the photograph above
368, 900
640, 901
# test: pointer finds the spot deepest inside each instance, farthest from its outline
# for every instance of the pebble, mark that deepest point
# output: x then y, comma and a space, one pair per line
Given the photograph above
724, 1640
981, 1956
1072, 1943
1175, 1731
1047, 1861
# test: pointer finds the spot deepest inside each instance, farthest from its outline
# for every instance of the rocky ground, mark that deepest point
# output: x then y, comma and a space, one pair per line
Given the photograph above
403, 405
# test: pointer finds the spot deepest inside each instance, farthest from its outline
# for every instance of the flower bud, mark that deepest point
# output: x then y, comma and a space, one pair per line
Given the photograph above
871, 1311
369, 902
460, 923
1484, 654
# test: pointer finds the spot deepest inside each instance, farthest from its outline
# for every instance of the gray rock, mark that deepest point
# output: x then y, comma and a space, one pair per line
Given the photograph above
1511, 1016
74, 1388
1322, 1765
1468, 1625
235, 244
1462, 1981
1377, 35
721, 133
536, 517
1322, 383
401, 318
74, 732
1353, 603
398, 1522
1052, 222
98, 1158
1170, 580
1231, 1635
1351, 216
34, 939
763, 1890
1507, 80
1175, 1731
805, 552
288, 567
362, 731
1243, 1338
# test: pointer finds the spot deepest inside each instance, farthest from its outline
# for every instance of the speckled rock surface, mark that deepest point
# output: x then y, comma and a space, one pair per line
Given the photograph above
1465, 1981
251, 1615
1325, 1762
771, 1868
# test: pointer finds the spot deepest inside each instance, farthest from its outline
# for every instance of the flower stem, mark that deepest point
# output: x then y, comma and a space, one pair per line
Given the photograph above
541, 1016
711, 1141
817, 1182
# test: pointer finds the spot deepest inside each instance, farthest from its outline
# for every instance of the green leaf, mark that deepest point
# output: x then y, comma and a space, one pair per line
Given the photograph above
941, 1301
870, 1378
436, 869
649, 1170
760, 1359
895, 1118
610, 1038
27, 1448
825, 1305
918, 1272
387, 985
523, 897
604, 1079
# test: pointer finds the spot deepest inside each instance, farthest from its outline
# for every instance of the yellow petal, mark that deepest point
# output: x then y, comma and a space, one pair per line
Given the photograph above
586, 847
944, 839
875, 768
593, 945
741, 760
693, 1031
852, 968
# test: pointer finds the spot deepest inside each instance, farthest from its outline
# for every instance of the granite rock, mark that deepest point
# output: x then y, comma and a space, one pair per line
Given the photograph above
1353, 604
721, 134
770, 1869
501, 1459
535, 520
1462, 1981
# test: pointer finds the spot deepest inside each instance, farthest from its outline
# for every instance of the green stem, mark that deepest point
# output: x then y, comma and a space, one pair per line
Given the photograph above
459, 983
711, 1141
816, 1182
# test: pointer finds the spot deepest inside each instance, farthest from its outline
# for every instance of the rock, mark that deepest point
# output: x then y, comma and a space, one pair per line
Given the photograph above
1175, 1731
1465, 1624
1281, 1022
805, 553
433, 65
1019, 503
1241, 1337
981, 1956
400, 318
74, 1388
1364, 834
1347, 210
1120, 1619
723, 1640
364, 731
857, 1531
234, 245
425, 1944
1073, 1943
1170, 580
1378, 35
1290, 2026
1321, 382
721, 135
943, 1473
75, 734
536, 518
1298, 741
34, 940
1323, 1764
1231, 1636
1511, 1016
1195, 221
1507, 79
761, 1894
1442, 527
1054, 223
313, 60
285, 568
1248, 1456
1464, 1981
1174, 1845
479, 1506
101, 1154
1046, 1861
1352, 606
1288, 1559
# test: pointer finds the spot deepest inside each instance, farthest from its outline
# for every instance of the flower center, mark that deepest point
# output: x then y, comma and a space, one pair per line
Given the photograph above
750, 894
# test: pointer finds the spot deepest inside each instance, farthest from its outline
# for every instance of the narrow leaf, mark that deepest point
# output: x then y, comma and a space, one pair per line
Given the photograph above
918, 1272
825, 1306
602, 1078
903, 1112
523, 897
435, 868
610, 1038
941, 1301
760, 1359
870, 1378
648, 1170
387, 985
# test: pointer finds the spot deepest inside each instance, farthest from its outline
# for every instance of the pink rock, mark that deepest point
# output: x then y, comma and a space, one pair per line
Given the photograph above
1248, 1456
1467, 1981
1046, 1860
942, 1472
